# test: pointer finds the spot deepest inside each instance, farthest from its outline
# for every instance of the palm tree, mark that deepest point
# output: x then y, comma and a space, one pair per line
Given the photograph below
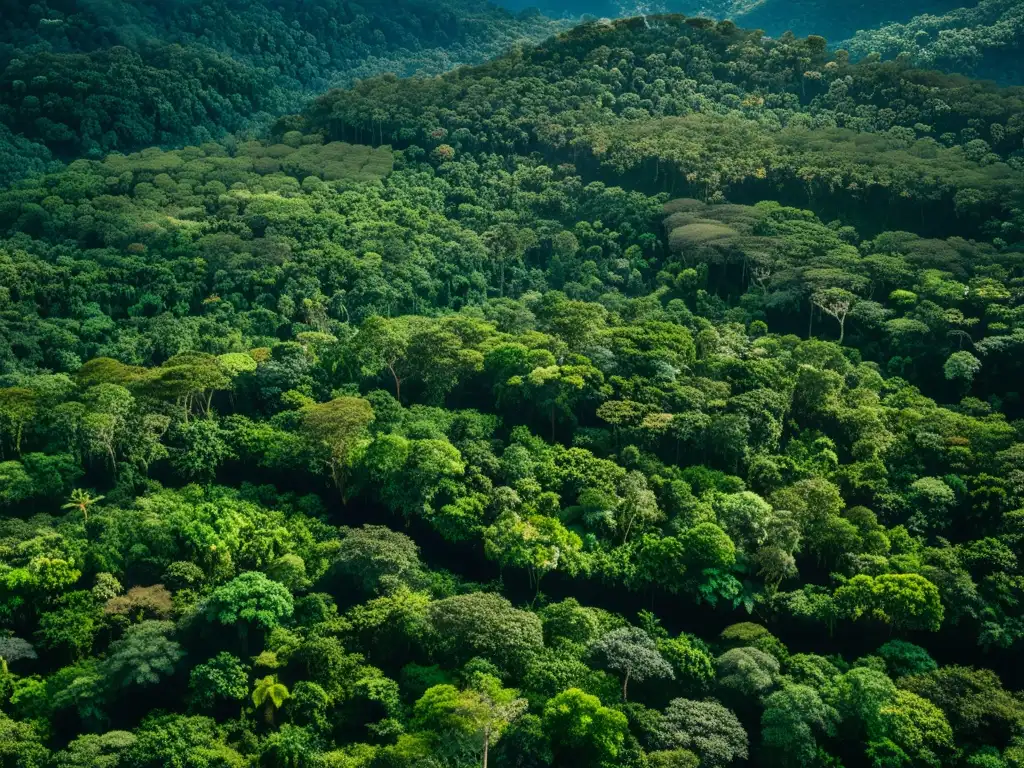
82, 500
270, 695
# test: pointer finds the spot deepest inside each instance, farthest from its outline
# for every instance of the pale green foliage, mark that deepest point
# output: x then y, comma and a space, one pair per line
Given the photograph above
747, 671
95, 750
478, 715
632, 653
338, 425
484, 624
708, 729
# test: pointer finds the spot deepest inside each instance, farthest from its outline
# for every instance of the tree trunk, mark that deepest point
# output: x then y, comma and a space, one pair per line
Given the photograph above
625, 685
487, 744
842, 330
629, 527
398, 384
338, 476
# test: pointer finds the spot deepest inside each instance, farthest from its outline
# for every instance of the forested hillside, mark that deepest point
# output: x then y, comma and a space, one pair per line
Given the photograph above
647, 398
985, 40
835, 21
82, 78
710, 110
982, 39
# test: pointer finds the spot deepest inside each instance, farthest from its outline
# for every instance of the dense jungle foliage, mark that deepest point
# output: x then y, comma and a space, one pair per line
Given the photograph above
648, 397
86, 77
836, 21
691, 107
984, 40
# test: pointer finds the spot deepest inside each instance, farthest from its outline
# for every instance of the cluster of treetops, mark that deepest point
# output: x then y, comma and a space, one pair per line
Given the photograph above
249, 632
81, 79
836, 21
981, 38
705, 110
511, 312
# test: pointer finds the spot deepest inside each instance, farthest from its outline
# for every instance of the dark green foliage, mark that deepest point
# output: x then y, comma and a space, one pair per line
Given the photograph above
143, 656
708, 729
222, 678
416, 434
830, 20
903, 658
483, 624
833, 137
981, 39
378, 559
80, 79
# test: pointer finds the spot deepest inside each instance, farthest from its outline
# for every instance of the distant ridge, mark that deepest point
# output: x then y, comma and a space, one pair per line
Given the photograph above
87, 77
